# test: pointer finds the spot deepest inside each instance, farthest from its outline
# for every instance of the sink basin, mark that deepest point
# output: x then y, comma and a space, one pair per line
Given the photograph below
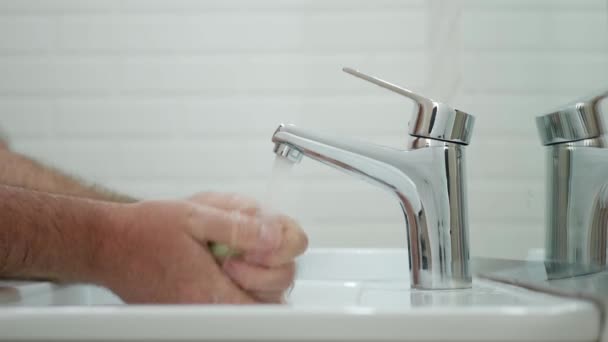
340, 294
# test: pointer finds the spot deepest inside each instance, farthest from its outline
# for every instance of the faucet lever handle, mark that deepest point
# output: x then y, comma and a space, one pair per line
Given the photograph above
420, 100
432, 119
578, 120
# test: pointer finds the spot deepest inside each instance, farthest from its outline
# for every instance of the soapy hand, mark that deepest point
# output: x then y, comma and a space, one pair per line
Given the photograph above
161, 253
264, 273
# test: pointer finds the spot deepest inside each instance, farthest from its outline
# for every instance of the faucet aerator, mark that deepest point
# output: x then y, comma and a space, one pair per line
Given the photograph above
288, 152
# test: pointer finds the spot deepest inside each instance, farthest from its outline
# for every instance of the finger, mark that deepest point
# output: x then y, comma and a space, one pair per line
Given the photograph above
296, 240
223, 289
272, 297
227, 292
234, 229
208, 284
229, 201
256, 278
294, 243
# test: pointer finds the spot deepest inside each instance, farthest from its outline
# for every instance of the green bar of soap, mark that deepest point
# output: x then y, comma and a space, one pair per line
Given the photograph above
220, 250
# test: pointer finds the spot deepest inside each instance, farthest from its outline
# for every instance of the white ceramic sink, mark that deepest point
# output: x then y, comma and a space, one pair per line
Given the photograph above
340, 294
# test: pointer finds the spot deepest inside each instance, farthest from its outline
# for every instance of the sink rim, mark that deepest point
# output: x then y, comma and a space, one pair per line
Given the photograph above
571, 321
562, 319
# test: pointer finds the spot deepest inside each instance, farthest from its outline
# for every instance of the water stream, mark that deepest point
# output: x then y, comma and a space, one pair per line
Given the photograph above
277, 190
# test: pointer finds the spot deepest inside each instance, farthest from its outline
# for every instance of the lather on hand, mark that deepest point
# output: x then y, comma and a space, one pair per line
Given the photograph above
266, 273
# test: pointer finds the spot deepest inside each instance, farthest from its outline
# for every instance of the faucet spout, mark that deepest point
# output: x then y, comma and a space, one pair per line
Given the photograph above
427, 179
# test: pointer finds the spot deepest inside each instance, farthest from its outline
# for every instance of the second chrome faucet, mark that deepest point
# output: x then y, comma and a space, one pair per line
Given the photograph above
576, 217
428, 178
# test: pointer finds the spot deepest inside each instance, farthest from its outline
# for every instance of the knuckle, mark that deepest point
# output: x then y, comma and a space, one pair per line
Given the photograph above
269, 297
247, 230
286, 276
247, 281
291, 272
199, 196
303, 242
241, 203
236, 227
191, 219
298, 236
252, 209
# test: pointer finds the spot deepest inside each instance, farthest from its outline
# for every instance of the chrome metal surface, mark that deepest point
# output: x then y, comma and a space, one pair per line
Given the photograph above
578, 120
286, 151
431, 119
428, 180
577, 183
537, 271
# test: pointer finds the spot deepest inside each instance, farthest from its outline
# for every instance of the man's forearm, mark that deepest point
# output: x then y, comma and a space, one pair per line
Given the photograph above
18, 170
48, 236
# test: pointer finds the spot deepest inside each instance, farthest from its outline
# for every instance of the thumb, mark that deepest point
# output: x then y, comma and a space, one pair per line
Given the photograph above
229, 201
237, 230
226, 291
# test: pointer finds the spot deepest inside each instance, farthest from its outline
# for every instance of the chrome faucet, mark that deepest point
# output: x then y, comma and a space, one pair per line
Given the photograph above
428, 179
577, 182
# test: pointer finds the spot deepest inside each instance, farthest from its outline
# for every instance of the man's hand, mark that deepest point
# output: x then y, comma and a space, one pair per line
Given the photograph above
159, 252
264, 273
153, 251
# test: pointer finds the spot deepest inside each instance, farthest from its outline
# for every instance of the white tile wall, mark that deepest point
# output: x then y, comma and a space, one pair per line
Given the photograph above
170, 97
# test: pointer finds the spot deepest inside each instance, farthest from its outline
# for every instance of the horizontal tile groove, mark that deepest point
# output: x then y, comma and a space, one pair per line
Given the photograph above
514, 56
477, 225
7, 53
330, 179
260, 136
105, 93
178, 7
343, 183
483, 223
245, 7
143, 53
223, 96
194, 138
549, 96
563, 91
